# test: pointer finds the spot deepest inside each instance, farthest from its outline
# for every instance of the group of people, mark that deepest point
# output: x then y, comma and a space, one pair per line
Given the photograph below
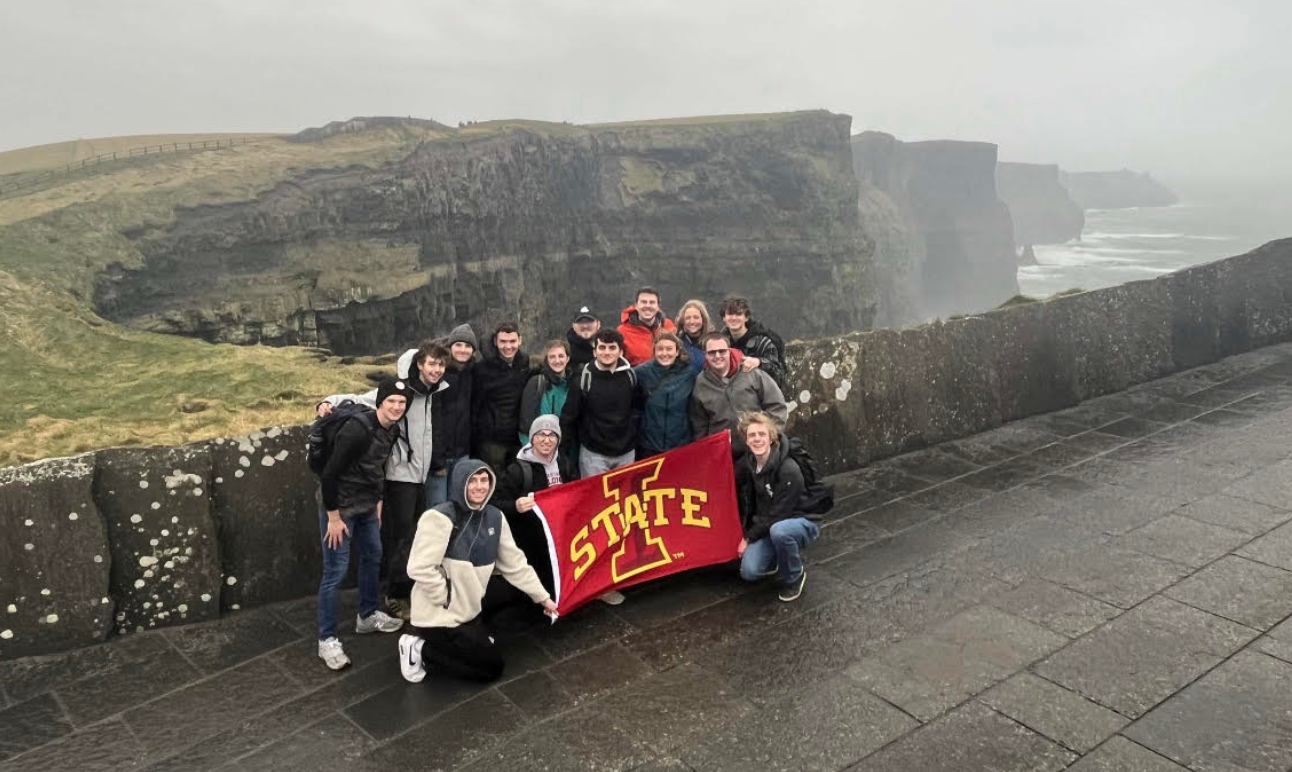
434, 484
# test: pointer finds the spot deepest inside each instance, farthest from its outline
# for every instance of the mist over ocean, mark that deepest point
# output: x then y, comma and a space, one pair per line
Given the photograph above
1121, 245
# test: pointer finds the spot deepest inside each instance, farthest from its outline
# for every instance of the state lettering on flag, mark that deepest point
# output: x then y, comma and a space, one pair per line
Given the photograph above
652, 518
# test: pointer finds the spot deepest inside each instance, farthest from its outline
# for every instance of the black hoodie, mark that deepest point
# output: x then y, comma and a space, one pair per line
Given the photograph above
770, 495
604, 419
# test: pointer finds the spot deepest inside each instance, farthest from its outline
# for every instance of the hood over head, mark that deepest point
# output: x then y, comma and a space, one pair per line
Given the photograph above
462, 471
404, 369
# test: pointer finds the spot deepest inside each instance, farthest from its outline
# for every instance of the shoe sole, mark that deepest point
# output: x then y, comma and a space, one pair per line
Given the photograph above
797, 592
341, 666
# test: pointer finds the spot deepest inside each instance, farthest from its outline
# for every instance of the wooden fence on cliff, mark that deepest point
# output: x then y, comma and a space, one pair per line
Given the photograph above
7, 188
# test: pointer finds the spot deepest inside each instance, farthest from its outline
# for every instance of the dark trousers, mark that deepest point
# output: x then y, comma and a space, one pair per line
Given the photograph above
401, 507
499, 454
465, 651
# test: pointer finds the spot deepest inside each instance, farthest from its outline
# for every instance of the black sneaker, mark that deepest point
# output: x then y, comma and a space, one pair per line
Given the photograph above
793, 591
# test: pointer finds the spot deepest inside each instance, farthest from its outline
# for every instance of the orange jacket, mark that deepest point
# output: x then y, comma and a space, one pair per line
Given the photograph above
639, 341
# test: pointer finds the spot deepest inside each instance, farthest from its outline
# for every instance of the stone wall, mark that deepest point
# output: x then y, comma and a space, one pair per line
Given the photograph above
120, 540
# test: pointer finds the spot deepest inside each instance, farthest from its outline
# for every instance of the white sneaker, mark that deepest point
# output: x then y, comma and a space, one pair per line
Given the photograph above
410, 658
614, 597
332, 654
377, 622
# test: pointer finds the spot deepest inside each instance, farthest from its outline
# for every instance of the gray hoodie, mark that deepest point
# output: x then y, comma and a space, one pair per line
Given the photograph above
410, 458
456, 550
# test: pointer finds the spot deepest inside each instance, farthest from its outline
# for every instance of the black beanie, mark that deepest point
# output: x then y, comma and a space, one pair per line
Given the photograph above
392, 387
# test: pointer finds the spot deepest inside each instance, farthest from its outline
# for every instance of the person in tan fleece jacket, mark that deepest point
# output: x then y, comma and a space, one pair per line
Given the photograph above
458, 545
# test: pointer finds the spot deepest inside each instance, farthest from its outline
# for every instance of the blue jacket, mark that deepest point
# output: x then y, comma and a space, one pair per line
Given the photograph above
694, 350
665, 423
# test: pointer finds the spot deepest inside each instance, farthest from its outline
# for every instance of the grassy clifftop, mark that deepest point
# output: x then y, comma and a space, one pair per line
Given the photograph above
72, 381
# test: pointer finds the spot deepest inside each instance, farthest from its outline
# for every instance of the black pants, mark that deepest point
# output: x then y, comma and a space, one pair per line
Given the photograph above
498, 454
465, 651
401, 507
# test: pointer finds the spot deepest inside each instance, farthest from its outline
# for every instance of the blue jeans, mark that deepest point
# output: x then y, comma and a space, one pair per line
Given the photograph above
780, 549
437, 487
366, 533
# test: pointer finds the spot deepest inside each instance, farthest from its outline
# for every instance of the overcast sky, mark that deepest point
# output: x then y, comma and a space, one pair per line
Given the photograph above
1178, 87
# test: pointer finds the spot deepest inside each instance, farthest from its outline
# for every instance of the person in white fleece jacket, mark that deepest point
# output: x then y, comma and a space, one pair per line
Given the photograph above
459, 544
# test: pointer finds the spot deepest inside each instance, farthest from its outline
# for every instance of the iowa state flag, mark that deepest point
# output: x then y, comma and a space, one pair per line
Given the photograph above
652, 518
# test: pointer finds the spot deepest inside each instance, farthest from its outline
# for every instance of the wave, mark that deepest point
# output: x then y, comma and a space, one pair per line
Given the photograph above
1112, 236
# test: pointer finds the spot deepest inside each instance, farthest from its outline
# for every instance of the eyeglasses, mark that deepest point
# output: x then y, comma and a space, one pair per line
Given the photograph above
718, 352
546, 436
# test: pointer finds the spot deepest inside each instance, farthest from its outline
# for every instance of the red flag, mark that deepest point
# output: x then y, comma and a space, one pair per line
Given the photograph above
655, 517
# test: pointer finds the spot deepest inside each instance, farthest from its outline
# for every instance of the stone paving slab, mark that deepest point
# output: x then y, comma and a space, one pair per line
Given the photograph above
1145, 655
1106, 585
1235, 717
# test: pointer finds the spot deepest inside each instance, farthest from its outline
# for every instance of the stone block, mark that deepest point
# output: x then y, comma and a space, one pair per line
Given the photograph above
1067, 718
54, 559
165, 559
1235, 717
1243, 590
1274, 548
266, 517
1122, 755
971, 737
1145, 655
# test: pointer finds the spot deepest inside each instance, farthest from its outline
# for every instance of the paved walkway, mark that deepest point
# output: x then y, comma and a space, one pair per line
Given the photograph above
1109, 587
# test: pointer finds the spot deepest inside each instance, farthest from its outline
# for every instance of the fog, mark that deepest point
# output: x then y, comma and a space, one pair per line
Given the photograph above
1188, 89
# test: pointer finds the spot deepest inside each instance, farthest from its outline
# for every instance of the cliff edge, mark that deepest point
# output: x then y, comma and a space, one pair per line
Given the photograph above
944, 242
1116, 190
1042, 210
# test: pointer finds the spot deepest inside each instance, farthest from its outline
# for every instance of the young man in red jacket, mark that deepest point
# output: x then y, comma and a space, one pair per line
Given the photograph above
642, 322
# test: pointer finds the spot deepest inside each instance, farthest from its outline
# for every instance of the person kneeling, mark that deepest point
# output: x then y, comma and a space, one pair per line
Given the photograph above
459, 544
770, 486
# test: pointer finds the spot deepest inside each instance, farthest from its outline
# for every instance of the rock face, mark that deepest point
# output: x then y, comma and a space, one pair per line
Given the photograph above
943, 239
1116, 190
1041, 208
54, 559
525, 221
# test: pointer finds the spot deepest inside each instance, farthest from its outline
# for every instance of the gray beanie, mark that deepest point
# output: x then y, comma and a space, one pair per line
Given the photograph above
463, 334
545, 423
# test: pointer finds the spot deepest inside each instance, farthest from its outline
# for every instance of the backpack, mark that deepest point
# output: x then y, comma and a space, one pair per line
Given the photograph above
818, 496
585, 378
324, 430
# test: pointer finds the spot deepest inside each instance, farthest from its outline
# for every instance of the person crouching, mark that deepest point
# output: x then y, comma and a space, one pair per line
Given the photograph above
458, 545
770, 488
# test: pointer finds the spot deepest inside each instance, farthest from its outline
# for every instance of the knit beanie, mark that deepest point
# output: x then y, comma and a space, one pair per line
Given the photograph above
391, 387
545, 423
463, 334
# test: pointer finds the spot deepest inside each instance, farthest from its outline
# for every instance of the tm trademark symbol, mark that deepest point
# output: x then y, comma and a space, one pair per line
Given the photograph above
679, 555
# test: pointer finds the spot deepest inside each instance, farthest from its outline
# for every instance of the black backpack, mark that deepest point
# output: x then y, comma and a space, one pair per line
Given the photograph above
323, 431
818, 496
783, 381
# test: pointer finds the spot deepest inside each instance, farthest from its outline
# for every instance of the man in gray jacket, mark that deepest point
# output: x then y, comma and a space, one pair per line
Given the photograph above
417, 453
724, 390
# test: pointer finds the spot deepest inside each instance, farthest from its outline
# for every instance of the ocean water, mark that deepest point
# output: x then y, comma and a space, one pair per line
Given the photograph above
1121, 245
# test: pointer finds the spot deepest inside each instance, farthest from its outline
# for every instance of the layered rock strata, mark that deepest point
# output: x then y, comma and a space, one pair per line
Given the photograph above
520, 221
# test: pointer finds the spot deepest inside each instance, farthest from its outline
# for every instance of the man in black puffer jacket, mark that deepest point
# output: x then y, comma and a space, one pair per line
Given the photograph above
770, 488
498, 384
760, 347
